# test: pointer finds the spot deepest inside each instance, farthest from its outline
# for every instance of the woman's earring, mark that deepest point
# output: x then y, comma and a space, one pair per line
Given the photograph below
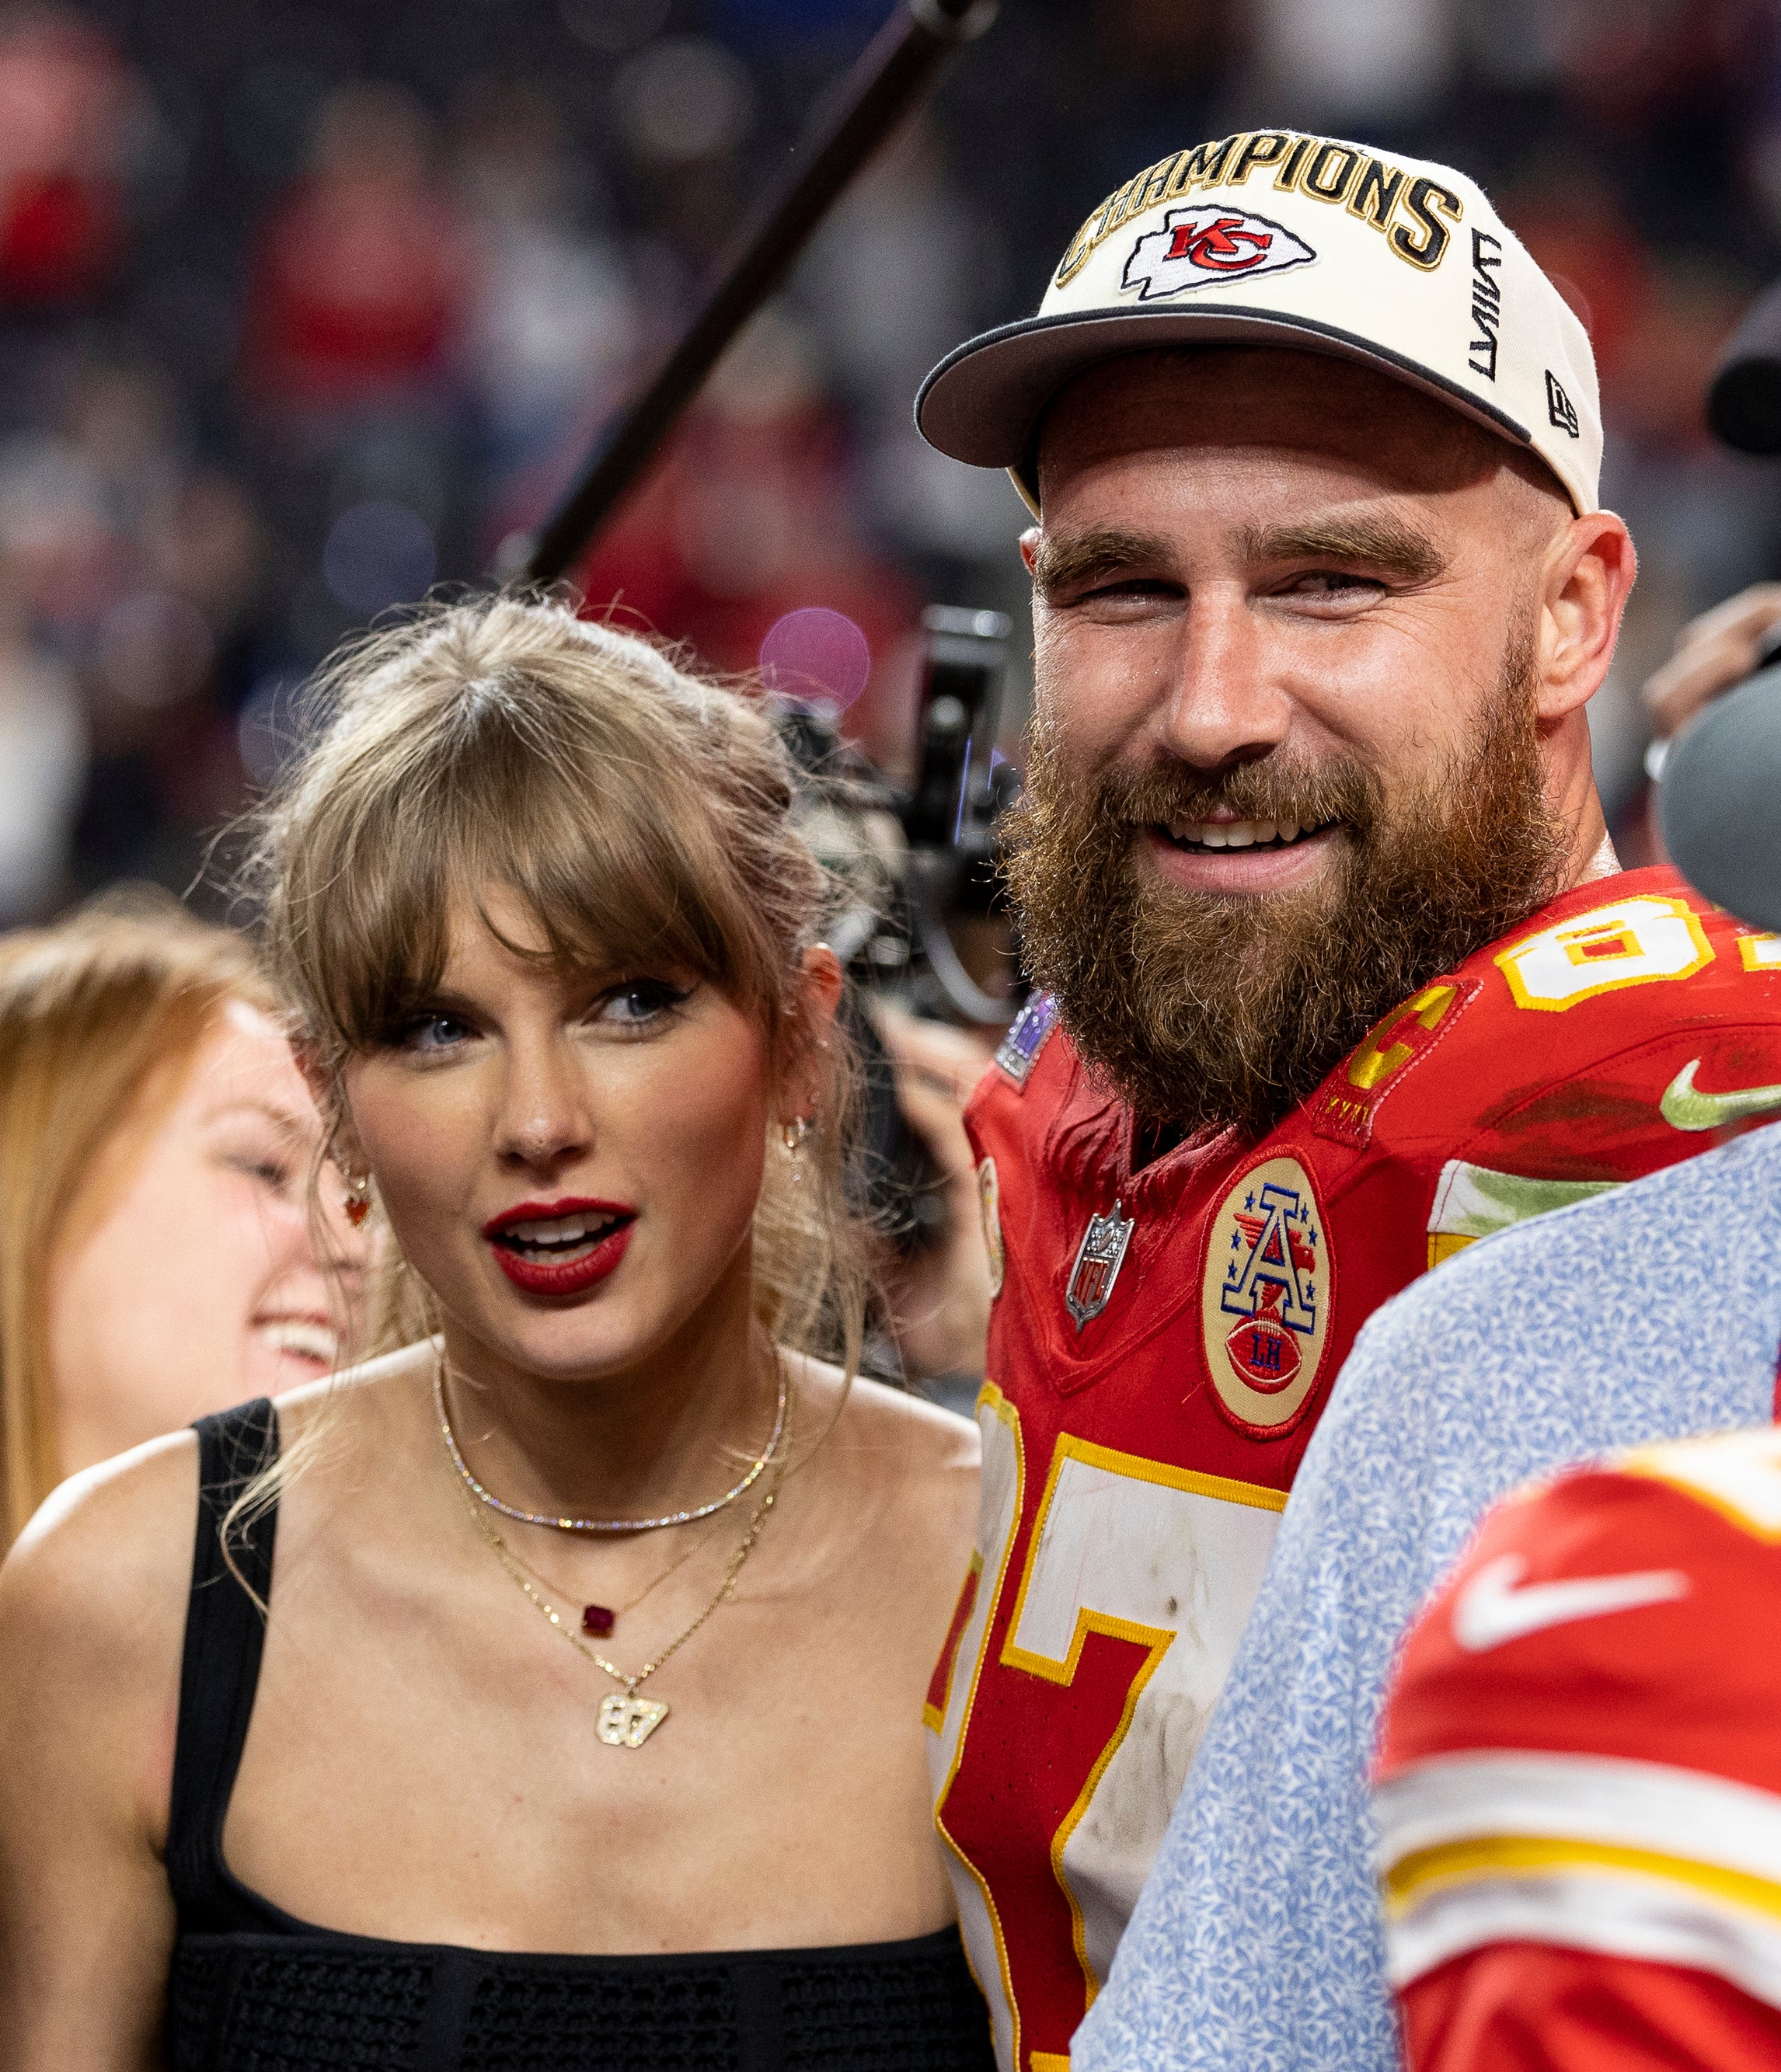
792, 1136
358, 1197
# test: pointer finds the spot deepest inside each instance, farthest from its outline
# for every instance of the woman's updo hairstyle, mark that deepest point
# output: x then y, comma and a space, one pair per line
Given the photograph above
642, 816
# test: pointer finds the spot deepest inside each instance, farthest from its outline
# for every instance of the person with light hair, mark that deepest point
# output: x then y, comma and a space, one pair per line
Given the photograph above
157, 1259
579, 1720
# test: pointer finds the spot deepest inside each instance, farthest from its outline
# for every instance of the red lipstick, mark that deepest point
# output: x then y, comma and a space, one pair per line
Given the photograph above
546, 1261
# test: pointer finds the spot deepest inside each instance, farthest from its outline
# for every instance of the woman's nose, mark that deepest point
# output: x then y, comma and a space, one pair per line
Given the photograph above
544, 1115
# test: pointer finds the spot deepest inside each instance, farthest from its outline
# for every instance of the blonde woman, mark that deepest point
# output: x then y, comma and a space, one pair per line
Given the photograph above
157, 1258
549, 1693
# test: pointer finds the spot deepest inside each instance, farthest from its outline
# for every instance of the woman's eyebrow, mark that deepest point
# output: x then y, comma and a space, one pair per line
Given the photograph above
1066, 561
1382, 542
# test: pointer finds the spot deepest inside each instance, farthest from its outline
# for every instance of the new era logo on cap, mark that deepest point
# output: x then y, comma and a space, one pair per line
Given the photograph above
1196, 245
1560, 409
1277, 238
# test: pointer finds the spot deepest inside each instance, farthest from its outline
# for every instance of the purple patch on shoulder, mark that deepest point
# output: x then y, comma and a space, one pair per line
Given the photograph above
1019, 1049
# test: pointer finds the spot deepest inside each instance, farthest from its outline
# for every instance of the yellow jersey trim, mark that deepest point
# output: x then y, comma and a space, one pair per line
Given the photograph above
1489, 1856
990, 1397
1156, 1640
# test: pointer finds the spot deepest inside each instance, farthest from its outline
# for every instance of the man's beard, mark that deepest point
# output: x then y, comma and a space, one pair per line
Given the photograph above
1208, 1010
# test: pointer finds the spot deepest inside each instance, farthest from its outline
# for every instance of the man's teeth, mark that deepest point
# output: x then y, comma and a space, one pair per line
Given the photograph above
1237, 834
307, 1337
558, 1231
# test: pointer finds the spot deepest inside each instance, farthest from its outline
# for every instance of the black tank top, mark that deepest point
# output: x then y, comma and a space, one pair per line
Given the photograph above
253, 1989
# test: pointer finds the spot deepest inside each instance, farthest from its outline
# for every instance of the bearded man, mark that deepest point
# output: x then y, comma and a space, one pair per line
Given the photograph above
1339, 976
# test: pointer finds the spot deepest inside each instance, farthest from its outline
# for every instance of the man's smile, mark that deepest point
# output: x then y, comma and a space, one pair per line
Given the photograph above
1240, 857
1238, 834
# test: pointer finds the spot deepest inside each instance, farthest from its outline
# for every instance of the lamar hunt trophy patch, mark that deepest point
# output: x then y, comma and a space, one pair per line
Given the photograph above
1265, 1301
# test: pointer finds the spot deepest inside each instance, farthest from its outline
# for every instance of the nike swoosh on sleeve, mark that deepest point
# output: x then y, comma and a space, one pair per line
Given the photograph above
1490, 1609
1683, 1107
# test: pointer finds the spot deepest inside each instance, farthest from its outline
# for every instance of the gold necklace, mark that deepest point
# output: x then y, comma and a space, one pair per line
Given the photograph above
625, 1721
599, 1620
686, 1517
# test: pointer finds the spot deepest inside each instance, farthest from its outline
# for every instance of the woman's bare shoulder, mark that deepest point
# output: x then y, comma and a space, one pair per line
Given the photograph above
112, 1544
941, 1438
103, 1568
890, 1457
863, 1416
93, 1610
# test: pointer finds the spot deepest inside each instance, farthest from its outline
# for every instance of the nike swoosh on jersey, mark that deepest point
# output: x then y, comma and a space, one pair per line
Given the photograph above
1491, 1611
1683, 1107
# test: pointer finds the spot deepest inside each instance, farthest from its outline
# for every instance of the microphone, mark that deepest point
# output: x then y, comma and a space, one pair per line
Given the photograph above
1744, 402
1719, 805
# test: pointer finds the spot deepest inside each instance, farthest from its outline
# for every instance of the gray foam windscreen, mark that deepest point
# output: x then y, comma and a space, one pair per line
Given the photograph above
1744, 400
1719, 803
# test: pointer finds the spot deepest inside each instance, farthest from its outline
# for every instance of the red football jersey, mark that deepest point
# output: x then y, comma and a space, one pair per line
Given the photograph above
1164, 1339
1578, 1785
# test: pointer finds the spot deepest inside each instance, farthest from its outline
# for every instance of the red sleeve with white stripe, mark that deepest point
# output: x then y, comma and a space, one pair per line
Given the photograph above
1578, 1781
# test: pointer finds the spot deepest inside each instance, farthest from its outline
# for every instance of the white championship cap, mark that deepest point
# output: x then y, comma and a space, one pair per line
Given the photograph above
1272, 237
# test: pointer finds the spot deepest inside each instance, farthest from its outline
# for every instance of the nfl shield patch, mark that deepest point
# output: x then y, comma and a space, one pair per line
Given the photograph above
1099, 1259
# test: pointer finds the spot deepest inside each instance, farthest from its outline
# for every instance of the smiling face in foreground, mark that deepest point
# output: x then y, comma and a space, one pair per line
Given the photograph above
1312, 654
571, 1161
186, 1279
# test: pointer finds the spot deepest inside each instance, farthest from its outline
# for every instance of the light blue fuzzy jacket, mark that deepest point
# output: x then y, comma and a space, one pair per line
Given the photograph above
1649, 1313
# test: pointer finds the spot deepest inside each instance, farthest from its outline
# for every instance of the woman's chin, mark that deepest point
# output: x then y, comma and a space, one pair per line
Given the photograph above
591, 1342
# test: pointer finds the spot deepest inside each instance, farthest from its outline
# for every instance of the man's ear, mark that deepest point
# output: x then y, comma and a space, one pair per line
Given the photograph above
821, 985
1029, 546
1588, 576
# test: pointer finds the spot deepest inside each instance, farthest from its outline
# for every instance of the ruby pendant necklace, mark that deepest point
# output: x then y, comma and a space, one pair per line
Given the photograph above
600, 1622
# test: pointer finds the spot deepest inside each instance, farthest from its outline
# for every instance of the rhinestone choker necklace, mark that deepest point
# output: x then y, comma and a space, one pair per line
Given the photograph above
604, 1524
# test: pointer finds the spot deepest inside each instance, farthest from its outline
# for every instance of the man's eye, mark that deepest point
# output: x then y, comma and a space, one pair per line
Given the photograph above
1330, 582
639, 1003
1121, 587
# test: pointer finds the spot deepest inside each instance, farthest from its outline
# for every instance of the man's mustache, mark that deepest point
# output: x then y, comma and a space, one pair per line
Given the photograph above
1267, 789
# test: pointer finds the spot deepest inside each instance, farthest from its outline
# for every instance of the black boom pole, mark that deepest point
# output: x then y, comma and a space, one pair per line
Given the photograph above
896, 67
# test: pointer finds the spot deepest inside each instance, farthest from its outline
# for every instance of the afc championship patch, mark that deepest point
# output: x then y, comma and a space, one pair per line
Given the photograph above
1266, 1297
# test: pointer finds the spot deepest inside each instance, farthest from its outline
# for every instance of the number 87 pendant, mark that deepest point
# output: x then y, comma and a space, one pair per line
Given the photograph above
628, 1721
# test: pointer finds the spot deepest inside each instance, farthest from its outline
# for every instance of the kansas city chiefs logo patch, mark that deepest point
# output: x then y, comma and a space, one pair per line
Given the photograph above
1203, 243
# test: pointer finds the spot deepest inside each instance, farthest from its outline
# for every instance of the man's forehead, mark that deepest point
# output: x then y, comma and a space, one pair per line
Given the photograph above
1245, 400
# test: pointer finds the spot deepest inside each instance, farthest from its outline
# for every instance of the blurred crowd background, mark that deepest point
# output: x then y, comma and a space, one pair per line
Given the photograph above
303, 308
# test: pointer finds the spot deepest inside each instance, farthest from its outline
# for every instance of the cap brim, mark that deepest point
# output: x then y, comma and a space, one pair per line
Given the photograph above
983, 404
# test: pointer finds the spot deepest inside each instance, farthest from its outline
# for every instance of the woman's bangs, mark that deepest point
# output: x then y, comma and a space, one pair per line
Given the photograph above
614, 880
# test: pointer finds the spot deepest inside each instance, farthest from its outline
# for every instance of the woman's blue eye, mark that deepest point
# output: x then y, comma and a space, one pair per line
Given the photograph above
433, 1032
643, 1001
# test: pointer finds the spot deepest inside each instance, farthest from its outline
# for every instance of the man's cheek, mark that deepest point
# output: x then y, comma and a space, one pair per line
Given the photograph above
1086, 699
